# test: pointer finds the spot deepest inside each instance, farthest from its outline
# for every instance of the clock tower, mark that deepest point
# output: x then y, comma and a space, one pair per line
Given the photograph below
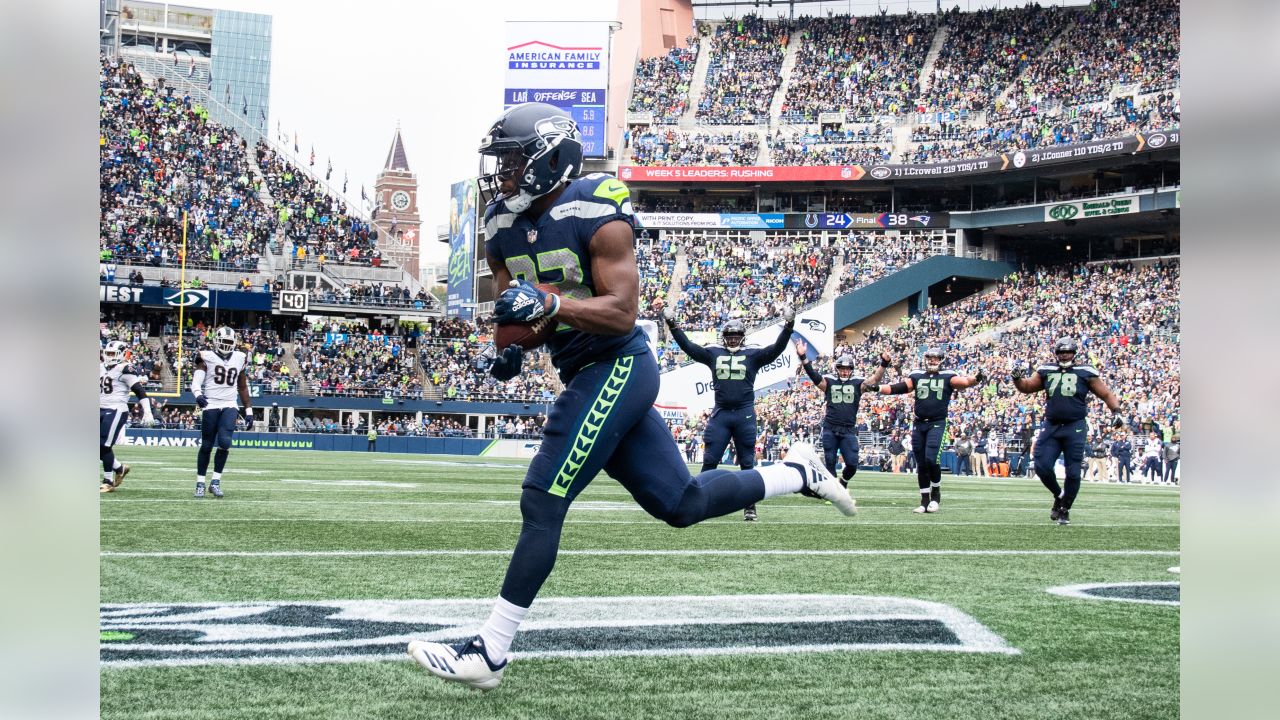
396, 192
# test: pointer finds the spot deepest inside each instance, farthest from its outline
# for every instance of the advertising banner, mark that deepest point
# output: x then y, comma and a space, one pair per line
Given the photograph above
565, 64
792, 221
1004, 162
689, 388
156, 296
1102, 207
460, 291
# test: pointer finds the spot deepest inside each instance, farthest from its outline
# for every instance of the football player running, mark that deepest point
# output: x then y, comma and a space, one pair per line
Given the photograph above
733, 370
218, 380
545, 224
116, 379
933, 387
843, 391
1063, 433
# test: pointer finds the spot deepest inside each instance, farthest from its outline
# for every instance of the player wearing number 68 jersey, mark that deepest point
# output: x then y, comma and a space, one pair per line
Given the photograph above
733, 370
932, 388
843, 391
218, 384
1064, 432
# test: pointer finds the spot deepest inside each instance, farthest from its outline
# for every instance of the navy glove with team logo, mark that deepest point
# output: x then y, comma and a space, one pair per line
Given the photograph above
202, 401
507, 364
523, 302
246, 414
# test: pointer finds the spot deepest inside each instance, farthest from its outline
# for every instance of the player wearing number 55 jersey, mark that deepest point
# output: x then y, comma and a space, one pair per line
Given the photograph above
116, 379
843, 391
733, 371
932, 387
218, 383
1064, 432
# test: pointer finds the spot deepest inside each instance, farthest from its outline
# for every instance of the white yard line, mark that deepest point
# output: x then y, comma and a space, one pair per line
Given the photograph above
625, 553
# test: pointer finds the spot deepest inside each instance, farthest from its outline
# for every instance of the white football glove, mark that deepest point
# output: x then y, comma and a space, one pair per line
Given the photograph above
669, 314
788, 314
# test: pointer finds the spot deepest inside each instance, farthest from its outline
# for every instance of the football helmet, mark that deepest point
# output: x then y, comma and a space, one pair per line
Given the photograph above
1065, 347
733, 334
113, 352
844, 367
536, 145
224, 340
933, 358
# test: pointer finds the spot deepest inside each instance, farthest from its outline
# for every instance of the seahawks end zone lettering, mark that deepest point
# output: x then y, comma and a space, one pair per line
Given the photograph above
1147, 593
140, 635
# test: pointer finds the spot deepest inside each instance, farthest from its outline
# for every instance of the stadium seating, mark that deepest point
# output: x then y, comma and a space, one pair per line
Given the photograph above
661, 85
160, 154
743, 73
356, 363
671, 147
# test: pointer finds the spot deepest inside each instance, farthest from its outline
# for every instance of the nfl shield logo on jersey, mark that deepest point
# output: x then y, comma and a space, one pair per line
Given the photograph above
531, 236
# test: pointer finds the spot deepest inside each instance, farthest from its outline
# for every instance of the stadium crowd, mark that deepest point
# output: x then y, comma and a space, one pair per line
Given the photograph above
160, 155
869, 146
862, 66
734, 277
316, 225
867, 257
455, 362
671, 147
661, 84
743, 75
985, 51
357, 363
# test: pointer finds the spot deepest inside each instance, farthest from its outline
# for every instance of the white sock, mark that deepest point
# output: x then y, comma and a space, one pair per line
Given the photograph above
500, 629
780, 479
200, 479
217, 476
108, 477
117, 466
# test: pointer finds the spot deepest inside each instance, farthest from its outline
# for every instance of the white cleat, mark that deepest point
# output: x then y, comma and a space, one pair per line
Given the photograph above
817, 481
933, 506
466, 662
920, 510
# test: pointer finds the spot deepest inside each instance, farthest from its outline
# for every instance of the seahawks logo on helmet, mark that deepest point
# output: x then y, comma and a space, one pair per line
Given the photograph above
536, 145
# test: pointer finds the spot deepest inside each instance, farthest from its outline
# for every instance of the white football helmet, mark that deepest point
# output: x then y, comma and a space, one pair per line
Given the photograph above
113, 353
224, 340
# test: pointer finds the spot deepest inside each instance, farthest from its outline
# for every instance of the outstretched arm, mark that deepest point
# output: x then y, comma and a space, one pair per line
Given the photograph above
690, 348
873, 380
779, 345
818, 381
1025, 383
961, 382
905, 385
1098, 387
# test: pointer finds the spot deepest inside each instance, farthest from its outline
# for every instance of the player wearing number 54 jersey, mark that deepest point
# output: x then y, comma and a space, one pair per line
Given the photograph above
932, 387
733, 370
218, 383
1064, 432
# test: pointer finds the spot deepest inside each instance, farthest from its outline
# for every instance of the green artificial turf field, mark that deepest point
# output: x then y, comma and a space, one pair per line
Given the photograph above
258, 605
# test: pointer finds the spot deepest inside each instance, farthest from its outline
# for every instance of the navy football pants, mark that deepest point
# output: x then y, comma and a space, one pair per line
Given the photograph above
604, 420
1068, 440
845, 442
725, 425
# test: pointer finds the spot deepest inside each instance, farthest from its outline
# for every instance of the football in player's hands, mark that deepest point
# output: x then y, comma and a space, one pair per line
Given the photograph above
527, 335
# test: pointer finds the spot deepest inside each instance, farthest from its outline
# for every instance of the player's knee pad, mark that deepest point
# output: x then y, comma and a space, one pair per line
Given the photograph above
689, 510
541, 511
224, 440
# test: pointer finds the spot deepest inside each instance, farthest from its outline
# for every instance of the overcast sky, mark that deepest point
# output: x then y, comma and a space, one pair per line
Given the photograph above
343, 75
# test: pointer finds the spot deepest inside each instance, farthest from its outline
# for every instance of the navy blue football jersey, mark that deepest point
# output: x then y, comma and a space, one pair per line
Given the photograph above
933, 393
733, 372
1066, 392
554, 248
842, 400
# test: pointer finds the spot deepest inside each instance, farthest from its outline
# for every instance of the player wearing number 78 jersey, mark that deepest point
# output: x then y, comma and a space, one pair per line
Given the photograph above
1064, 432
218, 380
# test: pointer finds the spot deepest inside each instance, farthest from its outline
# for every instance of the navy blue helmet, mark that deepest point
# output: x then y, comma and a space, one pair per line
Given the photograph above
733, 334
536, 145
843, 363
1065, 347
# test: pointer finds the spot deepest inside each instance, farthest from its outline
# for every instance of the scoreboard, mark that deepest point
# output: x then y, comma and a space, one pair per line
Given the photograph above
565, 65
